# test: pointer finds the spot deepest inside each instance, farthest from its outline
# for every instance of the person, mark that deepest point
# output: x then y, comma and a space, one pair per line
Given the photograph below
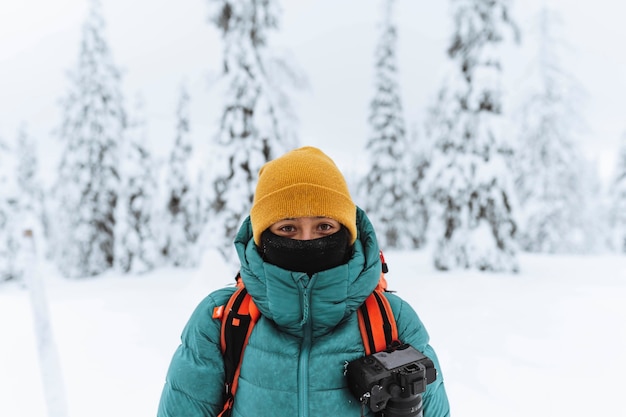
309, 258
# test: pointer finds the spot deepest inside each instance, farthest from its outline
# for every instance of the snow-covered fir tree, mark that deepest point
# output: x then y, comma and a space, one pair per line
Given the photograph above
27, 173
30, 192
549, 164
29, 184
417, 162
618, 197
595, 233
181, 225
469, 177
387, 189
9, 215
256, 124
136, 246
86, 191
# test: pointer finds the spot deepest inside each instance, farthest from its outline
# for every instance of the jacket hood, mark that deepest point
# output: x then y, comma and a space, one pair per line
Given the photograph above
293, 300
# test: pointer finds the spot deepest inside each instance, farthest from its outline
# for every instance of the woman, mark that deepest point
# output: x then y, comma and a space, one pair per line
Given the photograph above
309, 259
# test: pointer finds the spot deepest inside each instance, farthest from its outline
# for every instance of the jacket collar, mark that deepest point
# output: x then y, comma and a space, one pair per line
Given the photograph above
294, 301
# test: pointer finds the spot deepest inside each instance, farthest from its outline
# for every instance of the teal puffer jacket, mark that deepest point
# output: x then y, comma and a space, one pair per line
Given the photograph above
294, 361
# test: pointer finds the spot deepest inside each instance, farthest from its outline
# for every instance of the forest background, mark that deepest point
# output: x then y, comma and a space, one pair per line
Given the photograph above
117, 141
329, 89
158, 44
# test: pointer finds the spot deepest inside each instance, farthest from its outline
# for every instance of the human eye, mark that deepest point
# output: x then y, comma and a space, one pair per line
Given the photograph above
287, 228
326, 227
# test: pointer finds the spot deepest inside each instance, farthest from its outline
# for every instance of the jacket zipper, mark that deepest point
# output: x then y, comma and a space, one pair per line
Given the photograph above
303, 371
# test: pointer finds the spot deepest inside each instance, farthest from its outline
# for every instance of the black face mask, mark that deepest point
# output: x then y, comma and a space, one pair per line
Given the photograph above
308, 256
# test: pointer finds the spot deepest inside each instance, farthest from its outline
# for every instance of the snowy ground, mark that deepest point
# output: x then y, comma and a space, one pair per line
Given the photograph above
548, 342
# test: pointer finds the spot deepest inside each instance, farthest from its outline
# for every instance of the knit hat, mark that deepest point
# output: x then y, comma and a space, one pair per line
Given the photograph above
304, 182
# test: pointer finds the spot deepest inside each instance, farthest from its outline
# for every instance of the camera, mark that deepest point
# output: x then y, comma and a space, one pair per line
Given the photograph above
391, 381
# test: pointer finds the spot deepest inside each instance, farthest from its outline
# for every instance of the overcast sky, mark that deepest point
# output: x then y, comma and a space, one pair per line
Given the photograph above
160, 43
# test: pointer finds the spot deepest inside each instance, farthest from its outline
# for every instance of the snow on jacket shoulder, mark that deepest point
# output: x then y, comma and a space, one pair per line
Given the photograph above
294, 361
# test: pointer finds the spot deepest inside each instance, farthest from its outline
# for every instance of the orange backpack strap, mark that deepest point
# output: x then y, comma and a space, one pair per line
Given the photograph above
238, 320
376, 320
377, 323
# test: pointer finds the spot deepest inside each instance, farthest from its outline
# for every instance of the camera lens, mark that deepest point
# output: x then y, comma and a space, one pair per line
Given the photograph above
404, 407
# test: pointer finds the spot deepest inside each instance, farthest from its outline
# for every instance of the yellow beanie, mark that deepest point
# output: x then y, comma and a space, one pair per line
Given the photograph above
302, 183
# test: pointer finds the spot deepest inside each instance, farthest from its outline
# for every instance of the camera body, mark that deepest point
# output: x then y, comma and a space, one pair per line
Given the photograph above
392, 381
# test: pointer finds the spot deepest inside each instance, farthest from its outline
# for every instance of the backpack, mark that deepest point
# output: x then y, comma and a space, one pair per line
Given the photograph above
376, 323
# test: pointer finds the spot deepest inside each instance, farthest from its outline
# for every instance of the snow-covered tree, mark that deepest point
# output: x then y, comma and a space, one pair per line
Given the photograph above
417, 162
136, 249
9, 215
618, 197
469, 177
387, 191
86, 191
549, 164
27, 175
30, 191
20, 202
596, 210
256, 123
181, 225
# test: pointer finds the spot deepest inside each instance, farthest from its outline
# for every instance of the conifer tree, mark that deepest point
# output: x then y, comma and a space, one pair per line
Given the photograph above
86, 191
618, 196
9, 214
182, 205
256, 123
136, 249
469, 176
388, 188
417, 162
27, 175
30, 214
550, 168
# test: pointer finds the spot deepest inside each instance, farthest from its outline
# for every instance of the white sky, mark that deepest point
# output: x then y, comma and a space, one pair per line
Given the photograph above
160, 43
